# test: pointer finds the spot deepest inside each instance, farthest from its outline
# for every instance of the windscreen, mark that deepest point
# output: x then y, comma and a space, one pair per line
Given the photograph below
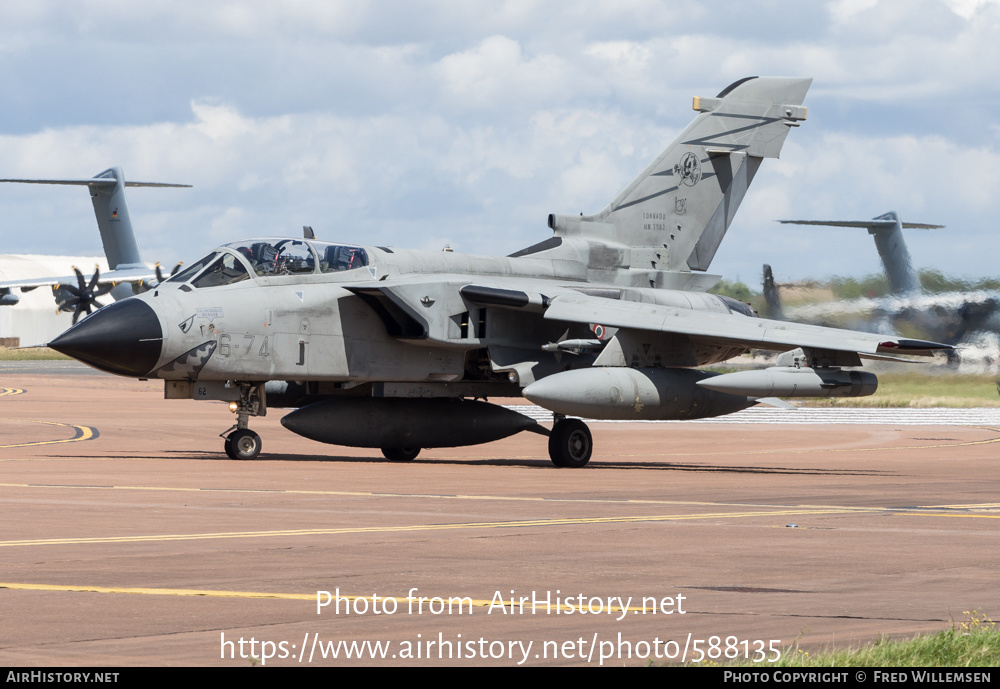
226, 270
192, 270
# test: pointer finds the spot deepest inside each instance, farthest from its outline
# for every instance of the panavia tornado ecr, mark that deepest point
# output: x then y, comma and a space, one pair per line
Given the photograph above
400, 350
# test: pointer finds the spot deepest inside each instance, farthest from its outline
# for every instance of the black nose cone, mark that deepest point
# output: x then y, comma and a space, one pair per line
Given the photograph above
124, 338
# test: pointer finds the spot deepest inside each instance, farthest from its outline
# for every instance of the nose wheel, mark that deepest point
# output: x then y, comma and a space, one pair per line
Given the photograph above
243, 444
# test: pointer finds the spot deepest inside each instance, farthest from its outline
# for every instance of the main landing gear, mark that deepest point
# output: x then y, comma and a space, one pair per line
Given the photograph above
570, 443
400, 454
241, 442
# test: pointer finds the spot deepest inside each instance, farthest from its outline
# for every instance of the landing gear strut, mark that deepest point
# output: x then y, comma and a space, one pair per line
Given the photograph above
242, 443
570, 443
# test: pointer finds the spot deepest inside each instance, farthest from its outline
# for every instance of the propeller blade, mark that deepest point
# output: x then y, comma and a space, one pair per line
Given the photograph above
146, 285
95, 279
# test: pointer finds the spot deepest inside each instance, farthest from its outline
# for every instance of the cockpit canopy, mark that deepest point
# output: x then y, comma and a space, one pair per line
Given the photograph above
271, 258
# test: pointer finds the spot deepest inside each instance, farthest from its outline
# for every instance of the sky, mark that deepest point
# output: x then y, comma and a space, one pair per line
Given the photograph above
420, 123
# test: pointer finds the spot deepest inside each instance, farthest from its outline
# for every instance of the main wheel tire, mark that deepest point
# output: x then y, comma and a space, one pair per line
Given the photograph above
570, 444
243, 444
400, 454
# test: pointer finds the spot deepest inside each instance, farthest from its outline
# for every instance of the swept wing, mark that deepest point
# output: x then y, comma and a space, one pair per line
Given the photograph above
732, 329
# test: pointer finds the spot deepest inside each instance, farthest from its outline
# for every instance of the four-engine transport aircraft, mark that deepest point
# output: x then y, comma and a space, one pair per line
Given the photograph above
128, 274
400, 349
953, 317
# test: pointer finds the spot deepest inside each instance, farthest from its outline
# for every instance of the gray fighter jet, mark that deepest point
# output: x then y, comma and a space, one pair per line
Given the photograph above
401, 350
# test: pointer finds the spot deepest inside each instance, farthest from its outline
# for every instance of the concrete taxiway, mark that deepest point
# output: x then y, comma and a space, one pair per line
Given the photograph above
130, 539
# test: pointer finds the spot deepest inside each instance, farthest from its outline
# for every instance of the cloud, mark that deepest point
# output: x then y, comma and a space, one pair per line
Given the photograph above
414, 123
840, 176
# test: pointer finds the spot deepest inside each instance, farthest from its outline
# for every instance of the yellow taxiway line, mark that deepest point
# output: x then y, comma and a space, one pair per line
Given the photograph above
82, 433
311, 597
423, 496
409, 528
840, 509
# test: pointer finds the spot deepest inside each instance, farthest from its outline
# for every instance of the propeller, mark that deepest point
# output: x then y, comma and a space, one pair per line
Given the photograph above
84, 296
159, 274
146, 285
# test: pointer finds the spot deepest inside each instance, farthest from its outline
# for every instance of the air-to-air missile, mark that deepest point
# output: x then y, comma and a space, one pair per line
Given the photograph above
794, 382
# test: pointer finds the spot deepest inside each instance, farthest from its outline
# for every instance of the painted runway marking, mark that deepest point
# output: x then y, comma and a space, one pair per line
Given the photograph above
81, 433
156, 592
945, 514
595, 466
942, 510
798, 451
791, 451
966, 443
930, 416
980, 506
5, 392
519, 524
417, 496
311, 597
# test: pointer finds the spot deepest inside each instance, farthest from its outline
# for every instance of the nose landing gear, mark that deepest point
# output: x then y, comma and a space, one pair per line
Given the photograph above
241, 442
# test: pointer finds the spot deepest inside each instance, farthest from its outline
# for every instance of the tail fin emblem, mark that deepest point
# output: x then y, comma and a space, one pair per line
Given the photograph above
689, 169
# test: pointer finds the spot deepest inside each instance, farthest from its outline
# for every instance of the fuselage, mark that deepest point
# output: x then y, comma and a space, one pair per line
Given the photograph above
288, 309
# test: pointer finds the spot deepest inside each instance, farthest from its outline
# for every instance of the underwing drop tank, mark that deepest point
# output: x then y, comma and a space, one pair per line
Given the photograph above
633, 394
389, 422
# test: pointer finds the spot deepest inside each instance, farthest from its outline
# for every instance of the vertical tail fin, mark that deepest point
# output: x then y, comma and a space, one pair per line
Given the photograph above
114, 220
771, 296
887, 230
107, 192
681, 205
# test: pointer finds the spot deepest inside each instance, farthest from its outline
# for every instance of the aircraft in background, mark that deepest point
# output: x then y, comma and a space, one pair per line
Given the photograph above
127, 275
887, 231
950, 317
400, 349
